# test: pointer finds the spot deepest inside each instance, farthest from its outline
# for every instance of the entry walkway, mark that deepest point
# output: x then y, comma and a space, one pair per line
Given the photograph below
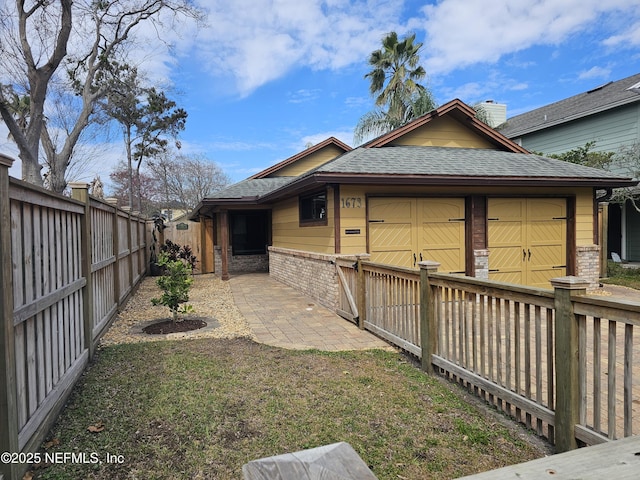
283, 317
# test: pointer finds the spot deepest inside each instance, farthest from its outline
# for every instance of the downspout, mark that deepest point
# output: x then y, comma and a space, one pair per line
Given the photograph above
606, 197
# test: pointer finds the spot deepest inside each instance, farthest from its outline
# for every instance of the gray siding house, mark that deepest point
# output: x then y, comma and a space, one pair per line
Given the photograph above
608, 115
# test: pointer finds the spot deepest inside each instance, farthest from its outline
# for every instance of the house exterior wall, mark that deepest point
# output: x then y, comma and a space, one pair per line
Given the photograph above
610, 130
443, 132
288, 233
241, 263
310, 162
354, 228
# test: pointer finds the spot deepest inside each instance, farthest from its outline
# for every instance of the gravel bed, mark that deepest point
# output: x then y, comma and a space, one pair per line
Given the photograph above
210, 297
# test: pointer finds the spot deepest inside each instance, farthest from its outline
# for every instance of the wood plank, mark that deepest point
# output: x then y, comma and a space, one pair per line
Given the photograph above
58, 394
21, 375
46, 301
611, 382
628, 380
26, 193
612, 460
16, 252
400, 342
620, 310
32, 373
526, 404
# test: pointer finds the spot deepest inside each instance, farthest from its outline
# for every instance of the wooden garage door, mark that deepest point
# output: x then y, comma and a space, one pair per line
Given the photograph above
527, 240
403, 231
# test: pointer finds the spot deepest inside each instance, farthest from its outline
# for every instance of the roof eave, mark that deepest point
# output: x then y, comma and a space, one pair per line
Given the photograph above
455, 106
327, 178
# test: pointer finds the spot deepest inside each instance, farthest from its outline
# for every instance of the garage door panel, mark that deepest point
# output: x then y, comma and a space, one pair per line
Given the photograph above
441, 209
450, 259
391, 210
516, 276
398, 258
506, 256
545, 208
402, 227
540, 278
391, 237
438, 235
442, 234
527, 240
505, 233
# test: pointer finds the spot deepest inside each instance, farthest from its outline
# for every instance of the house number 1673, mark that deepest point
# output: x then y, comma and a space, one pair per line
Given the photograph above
351, 202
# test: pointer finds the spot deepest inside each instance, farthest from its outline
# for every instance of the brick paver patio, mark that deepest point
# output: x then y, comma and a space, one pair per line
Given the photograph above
282, 317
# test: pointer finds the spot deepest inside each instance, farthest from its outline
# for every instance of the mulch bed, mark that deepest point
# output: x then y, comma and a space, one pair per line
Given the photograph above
169, 326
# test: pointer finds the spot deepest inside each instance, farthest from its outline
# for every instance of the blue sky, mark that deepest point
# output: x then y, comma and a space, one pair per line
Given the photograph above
265, 78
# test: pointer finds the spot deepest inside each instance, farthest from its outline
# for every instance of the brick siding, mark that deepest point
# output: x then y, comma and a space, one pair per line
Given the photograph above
588, 264
241, 263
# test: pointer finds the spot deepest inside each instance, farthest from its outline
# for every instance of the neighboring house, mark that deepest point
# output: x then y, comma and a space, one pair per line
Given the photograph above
608, 115
445, 187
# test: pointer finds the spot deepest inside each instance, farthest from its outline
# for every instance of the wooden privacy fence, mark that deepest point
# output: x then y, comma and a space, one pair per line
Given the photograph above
560, 361
67, 264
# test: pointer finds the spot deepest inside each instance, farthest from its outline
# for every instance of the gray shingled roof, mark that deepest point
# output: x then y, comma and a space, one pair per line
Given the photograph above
252, 187
610, 95
459, 162
428, 162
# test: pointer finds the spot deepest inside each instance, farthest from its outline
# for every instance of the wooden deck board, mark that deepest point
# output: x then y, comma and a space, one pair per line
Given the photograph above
619, 459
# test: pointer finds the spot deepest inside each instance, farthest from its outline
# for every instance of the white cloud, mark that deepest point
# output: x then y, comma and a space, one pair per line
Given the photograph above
466, 32
626, 39
257, 41
345, 136
595, 72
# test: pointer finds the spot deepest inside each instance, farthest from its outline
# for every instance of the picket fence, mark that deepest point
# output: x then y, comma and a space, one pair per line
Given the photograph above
558, 360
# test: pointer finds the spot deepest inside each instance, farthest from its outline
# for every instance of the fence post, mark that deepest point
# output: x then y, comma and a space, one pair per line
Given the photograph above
428, 326
567, 361
8, 405
80, 191
361, 300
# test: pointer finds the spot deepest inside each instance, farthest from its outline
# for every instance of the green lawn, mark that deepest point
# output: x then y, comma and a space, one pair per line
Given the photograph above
618, 275
200, 409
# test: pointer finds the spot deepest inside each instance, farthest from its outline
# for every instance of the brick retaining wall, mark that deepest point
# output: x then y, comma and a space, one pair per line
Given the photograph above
314, 274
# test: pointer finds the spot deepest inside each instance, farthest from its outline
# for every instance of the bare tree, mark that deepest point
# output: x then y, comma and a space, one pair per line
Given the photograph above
103, 34
34, 24
187, 179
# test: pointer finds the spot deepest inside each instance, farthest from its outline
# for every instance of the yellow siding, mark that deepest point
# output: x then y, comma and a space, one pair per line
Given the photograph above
310, 162
584, 217
443, 132
353, 218
287, 232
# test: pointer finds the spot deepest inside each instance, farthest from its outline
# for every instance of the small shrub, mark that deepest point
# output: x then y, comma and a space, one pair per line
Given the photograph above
175, 283
175, 252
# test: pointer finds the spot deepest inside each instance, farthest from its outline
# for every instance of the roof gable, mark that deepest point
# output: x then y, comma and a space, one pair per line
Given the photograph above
453, 124
307, 160
600, 99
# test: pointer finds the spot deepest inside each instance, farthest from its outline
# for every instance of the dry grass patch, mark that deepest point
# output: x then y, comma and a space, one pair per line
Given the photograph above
200, 409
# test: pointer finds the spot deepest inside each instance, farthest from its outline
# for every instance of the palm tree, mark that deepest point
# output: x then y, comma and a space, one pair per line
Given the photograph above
394, 77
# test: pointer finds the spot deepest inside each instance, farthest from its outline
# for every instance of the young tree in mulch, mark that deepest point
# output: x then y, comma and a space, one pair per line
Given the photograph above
175, 283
